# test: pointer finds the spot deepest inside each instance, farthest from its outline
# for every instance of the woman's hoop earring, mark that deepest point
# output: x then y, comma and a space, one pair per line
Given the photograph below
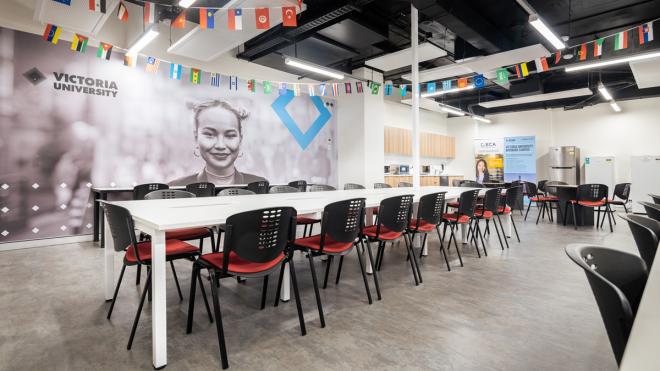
196, 152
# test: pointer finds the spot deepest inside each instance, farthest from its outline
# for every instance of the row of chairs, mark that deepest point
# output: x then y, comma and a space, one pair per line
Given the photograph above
618, 278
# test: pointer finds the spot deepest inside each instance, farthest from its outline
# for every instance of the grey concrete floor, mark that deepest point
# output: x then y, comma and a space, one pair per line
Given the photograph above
526, 308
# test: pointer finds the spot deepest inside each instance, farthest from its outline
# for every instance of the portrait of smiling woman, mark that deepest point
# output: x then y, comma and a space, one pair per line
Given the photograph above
218, 133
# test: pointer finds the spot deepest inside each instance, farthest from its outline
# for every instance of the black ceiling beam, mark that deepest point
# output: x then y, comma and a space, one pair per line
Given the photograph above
466, 23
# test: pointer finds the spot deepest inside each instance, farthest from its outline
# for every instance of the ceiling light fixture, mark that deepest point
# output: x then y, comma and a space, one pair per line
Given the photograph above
615, 107
297, 63
603, 91
144, 40
482, 119
535, 21
610, 62
443, 92
452, 110
186, 3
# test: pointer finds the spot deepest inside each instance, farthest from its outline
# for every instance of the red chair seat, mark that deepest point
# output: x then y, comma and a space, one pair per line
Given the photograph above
329, 245
385, 234
172, 248
504, 210
616, 202
240, 265
306, 220
455, 218
453, 204
589, 203
551, 198
187, 233
424, 226
485, 214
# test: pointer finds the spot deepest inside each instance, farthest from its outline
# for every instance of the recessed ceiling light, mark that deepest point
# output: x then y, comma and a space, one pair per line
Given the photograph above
186, 3
443, 92
144, 40
482, 119
297, 63
603, 91
544, 30
615, 107
639, 57
452, 110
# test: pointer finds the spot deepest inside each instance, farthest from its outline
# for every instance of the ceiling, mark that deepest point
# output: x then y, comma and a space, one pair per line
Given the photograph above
478, 34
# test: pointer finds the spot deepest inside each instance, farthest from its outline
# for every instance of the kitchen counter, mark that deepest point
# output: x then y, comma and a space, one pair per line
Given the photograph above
425, 179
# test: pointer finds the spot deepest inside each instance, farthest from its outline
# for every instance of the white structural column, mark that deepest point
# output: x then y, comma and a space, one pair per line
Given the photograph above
416, 168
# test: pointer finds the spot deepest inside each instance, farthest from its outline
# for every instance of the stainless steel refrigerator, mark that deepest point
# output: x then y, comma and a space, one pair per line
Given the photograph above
565, 164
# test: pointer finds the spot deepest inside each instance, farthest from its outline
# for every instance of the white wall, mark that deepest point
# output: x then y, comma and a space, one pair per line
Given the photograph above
597, 130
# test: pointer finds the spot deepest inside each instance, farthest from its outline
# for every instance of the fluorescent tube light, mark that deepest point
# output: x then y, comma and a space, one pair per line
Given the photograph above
615, 107
610, 62
186, 3
443, 92
452, 110
143, 41
313, 68
482, 119
535, 21
603, 91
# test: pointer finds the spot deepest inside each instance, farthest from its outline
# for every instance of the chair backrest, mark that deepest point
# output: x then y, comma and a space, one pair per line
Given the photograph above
541, 185
283, 189
121, 227
300, 184
617, 280
167, 194
646, 232
622, 191
550, 186
259, 187
235, 192
349, 186
141, 190
431, 207
530, 189
203, 189
471, 184
592, 192
652, 210
514, 197
456, 182
655, 198
492, 200
259, 236
382, 185
321, 188
342, 220
467, 203
394, 213
404, 185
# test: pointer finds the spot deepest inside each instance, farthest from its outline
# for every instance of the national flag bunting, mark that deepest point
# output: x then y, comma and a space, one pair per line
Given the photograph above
235, 19
262, 18
621, 40
358, 87
283, 89
645, 33
521, 70
582, 53
322, 89
52, 33
215, 79
296, 90
598, 47
206, 18
152, 65
268, 88
557, 56
311, 90
430, 87
149, 13
348, 88
502, 75
180, 20
79, 43
233, 82
122, 12
175, 71
65, 2
335, 90
104, 51
375, 88
289, 16
446, 85
195, 76
541, 64
388, 89
462, 82
130, 60
252, 86
97, 6
403, 89
479, 81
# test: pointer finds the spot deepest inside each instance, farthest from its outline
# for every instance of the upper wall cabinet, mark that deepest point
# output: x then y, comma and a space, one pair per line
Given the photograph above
399, 141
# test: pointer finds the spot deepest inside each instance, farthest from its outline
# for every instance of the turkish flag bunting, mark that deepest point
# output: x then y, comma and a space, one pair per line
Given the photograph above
180, 20
263, 18
289, 16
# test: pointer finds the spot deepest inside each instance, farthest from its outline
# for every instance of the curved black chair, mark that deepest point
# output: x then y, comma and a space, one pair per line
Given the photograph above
652, 210
617, 280
349, 186
471, 184
235, 192
621, 196
141, 190
202, 189
512, 200
404, 185
300, 184
321, 188
381, 185
429, 217
467, 205
592, 195
655, 198
165, 194
487, 211
283, 189
259, 187
645, 231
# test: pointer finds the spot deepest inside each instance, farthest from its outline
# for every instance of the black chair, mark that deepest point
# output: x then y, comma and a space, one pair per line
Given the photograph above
550, 193
471, 184
122, 231
404, 185
259, 187
645, 231
512, 200
165, 194
540, 186
305, 221
464, 213
621, 196
283, 189
340, 229
349, 186
592, 195
141, 190
203, 189
652, 210
235, 192
256, 245
300, 184
321, 188
392, 221
487, 211
429, 217
456, 182
656, 199
540, 200
381, 185
617, 280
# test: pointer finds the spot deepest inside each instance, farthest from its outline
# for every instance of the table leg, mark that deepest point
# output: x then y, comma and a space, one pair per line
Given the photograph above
507, 223
159, 304
369, 221
464, 233
97, 215
286, 284
109, 260
104, 196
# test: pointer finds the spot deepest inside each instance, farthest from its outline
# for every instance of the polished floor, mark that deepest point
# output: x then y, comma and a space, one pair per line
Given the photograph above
527, 308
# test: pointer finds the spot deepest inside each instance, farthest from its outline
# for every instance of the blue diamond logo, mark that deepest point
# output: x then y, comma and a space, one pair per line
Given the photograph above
303, 139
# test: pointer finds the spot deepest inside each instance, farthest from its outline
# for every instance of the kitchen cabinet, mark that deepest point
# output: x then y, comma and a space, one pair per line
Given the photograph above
399, 141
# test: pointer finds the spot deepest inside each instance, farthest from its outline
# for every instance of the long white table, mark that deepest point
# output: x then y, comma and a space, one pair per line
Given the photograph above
155, 217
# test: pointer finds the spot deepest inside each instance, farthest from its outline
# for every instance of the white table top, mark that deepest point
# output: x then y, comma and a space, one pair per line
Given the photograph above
130, 189
641, 352
208, 211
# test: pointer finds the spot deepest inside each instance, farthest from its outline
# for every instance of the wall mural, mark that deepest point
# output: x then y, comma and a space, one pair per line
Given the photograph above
70, 121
